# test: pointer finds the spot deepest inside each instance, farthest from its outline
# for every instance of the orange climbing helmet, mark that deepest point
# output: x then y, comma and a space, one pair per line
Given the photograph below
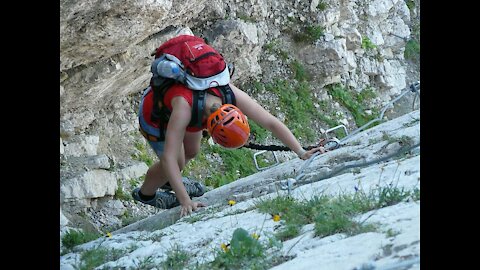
228, 126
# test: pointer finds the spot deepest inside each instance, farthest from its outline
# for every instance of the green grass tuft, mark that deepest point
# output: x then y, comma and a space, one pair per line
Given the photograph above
309, 34
177, 259
367, 44
73, 238
412, 50
322, 6
143, 154
353, 102
95, 257
330, 214
245, 252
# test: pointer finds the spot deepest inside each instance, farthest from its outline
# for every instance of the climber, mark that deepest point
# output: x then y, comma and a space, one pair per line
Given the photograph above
222, 110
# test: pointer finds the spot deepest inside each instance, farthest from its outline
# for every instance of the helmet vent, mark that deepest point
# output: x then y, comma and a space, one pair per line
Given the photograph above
228, 121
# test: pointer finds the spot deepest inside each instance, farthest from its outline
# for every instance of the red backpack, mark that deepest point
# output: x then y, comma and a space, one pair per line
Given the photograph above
201, 67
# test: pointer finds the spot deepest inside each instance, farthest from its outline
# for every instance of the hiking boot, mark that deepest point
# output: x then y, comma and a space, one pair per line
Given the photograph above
194, 188
162, 199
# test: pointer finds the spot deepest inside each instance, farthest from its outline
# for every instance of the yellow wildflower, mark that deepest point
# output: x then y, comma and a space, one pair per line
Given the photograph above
276, 218
231, 202
109, 234
224, 246
255, 236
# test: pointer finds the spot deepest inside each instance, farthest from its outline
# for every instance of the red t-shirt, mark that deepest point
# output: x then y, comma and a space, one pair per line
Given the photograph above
176, 90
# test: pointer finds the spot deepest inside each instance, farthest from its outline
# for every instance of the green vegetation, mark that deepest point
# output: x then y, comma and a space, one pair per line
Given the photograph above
235, 164
146, 263
95, 257
410, 4
143, 154
289, 210
330, 214
128, 219
196, 166
412, 123
412, 47
283, 54
246, 18
257, 131
295, 100
403, 140
135, 182
73, 238
120, 194
355, 103
298, 69
177, 259
412, 50
366, 95
367, 44
386, 137
416, 194
391, 232
322, 6
293, 19
415, 31
266, 159
308, 34
273, 47
245, 252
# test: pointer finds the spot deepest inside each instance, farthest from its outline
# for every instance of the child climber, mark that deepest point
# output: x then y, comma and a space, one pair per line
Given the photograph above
184, 113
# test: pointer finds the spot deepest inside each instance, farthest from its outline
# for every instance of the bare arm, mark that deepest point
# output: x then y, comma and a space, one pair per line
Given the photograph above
262, 117
179, 119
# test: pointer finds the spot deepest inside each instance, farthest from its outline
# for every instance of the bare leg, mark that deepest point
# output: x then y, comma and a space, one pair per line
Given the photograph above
155, 177
191, 143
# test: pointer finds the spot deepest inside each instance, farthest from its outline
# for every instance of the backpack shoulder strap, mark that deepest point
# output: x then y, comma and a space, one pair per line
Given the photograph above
160, 115
198, 105
228, 97
199, 100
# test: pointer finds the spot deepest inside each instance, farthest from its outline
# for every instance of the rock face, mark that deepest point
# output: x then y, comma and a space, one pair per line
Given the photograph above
91, 31
106, 46
396, 238
105, 65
